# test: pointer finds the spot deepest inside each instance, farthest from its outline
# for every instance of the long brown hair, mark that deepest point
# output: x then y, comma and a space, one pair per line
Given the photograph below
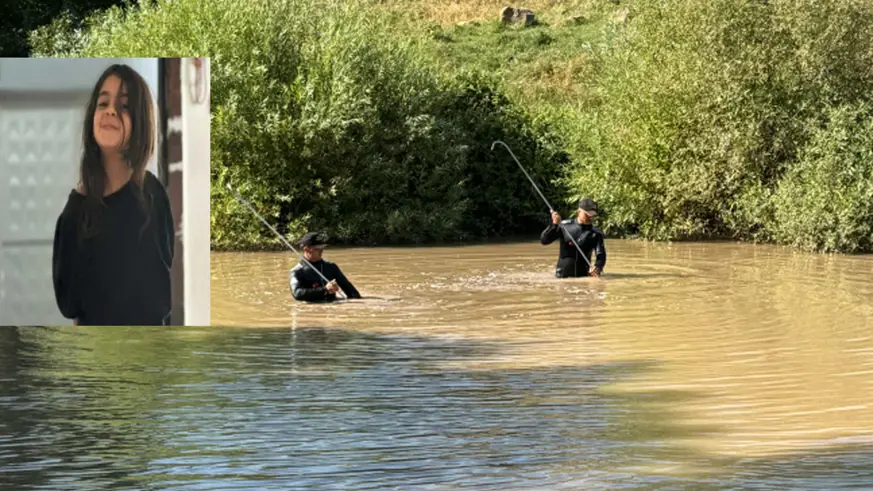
139, 149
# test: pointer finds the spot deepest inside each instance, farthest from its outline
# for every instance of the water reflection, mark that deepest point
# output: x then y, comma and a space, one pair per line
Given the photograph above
313, 408
306, 407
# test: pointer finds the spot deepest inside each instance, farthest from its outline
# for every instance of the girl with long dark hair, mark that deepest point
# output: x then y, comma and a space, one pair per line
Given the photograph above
113, 245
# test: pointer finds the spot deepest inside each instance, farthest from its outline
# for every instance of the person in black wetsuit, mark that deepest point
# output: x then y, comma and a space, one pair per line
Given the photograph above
570, 262
114, 240
307, 285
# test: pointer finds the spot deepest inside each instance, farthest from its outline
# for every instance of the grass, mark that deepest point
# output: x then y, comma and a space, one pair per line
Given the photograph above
548, 66
449, 13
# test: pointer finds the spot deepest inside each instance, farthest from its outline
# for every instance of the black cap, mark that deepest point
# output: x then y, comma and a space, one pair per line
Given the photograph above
589, 206
314, 239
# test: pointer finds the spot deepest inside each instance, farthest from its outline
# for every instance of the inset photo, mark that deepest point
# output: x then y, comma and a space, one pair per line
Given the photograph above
104, 191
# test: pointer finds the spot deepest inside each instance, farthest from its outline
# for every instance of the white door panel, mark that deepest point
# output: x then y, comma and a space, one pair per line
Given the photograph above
26, 292
41, 149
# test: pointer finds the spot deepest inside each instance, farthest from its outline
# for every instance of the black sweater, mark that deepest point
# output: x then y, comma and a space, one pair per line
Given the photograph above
308, 286
570, 262
120, 276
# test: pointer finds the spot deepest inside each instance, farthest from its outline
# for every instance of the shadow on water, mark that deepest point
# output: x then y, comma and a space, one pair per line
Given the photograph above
311, 408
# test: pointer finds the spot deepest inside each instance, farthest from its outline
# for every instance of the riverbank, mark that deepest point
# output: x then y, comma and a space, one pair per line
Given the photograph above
683, 119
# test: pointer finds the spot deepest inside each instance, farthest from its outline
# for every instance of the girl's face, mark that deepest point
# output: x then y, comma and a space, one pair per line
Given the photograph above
111, 117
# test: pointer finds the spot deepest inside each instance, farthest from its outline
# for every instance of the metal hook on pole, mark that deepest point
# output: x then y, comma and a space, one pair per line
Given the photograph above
249, 206
551, 210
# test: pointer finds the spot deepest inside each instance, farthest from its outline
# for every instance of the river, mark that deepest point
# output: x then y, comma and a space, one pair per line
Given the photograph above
687, 366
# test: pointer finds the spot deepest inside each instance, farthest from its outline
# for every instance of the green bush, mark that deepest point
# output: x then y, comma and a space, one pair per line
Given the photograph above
825, 202
705, 106
324, 119
692, 120
57, 20
63, 36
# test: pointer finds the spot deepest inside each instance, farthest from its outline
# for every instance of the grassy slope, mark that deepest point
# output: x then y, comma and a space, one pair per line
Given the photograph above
545, 67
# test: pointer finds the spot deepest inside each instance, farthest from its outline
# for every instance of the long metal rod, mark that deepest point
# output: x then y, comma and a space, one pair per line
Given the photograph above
552, 210
243, 201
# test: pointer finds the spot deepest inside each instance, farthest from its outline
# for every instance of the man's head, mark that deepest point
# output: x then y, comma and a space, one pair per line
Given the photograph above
313, 245
587, 210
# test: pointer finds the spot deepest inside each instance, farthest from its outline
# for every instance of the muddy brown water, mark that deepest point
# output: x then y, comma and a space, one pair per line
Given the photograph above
687, 366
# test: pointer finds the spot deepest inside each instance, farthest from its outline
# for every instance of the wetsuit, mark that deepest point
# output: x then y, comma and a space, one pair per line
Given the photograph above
308, 286
570, 263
